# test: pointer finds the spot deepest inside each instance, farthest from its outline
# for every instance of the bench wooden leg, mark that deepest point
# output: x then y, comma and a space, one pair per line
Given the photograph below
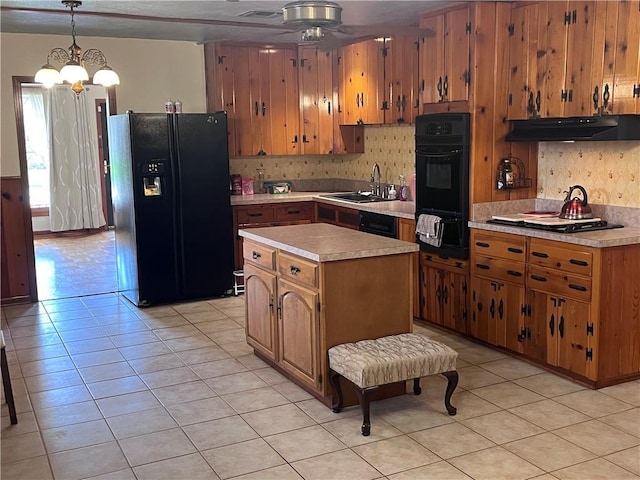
334, 378
416, 386
364, 397
452, 378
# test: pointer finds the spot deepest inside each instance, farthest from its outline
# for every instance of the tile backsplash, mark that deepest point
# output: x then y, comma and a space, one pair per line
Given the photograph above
609, 171
391, 146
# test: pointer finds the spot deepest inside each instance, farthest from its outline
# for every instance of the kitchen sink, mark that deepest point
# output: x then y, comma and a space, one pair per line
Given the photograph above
356, 197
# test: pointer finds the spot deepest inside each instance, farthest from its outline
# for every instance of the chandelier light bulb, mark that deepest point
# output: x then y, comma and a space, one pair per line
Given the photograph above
48, 76
73, 72
106, 77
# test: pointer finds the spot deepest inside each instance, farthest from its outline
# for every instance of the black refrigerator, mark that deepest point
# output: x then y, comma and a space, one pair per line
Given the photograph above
172, 210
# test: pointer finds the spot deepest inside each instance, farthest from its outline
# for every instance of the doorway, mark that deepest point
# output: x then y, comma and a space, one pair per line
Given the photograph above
77, 262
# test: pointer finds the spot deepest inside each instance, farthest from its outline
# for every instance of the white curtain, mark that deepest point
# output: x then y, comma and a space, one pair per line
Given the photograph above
75, 172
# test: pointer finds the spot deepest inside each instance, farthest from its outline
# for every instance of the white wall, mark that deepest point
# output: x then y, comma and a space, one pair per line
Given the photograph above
151, 71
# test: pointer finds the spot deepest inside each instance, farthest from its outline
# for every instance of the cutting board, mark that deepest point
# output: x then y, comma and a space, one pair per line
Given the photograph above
547, 220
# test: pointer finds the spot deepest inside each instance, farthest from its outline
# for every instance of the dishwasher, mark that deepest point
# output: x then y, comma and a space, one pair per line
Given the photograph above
378, 224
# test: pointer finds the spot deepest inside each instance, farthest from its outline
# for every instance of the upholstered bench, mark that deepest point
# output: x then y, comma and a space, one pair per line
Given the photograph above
370, 363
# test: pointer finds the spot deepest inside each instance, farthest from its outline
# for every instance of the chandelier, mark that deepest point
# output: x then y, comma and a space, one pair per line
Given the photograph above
74, 60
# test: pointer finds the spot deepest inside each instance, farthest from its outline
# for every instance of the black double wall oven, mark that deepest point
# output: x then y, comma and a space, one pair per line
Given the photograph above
442, 178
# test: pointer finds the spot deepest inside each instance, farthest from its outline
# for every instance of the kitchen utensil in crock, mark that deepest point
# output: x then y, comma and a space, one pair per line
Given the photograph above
574, 208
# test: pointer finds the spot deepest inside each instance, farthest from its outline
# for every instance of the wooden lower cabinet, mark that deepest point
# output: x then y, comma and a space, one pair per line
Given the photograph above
297, 309
336, 215
443, 291
570, 307
298, 332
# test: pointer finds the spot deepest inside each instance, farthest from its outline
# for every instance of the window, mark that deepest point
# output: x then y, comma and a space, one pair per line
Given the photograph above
37, 146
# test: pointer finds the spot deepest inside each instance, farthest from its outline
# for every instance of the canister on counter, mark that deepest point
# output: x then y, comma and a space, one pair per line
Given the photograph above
177, 106
169, 107
236, 184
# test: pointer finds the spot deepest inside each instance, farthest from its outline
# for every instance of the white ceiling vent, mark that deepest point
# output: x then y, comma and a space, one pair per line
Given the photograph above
260, 14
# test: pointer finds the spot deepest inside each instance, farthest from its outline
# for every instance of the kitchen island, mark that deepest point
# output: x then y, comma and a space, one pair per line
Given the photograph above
311, 287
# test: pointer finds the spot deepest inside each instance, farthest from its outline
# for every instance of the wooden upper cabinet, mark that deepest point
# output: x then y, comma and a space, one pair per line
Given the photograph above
315, 74
401, 79
574, 58
615, 82
361, 78
445, 56
258, 87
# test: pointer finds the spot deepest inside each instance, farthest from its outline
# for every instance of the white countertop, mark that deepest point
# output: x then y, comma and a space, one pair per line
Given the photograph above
394, 208
598, 238
322, 242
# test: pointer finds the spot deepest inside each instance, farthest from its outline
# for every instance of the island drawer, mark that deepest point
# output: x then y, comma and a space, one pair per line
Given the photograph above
500, 245
559, 284
298, 269
561, 256
258, 254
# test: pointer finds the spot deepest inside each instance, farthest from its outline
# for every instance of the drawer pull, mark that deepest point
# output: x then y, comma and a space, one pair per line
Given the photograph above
293, 212
482, 266
561, 326
482, 244
538, 278
255, 255
540, 254
459, 265
514, 250
552, 324
254, 214
581, 263
580, 288
294, 270
514, 273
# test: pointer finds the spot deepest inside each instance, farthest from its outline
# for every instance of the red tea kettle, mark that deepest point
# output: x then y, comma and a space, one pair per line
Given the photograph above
576, 209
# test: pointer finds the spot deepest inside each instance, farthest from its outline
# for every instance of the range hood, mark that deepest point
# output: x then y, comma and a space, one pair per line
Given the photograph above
608, 127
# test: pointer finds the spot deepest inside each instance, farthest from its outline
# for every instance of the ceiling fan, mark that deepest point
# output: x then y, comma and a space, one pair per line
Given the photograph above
321, 21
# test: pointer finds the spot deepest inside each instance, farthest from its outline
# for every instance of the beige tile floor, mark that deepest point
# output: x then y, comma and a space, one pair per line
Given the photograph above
106, 390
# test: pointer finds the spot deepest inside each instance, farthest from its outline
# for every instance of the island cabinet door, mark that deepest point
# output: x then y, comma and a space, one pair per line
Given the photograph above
298, 332
261, 325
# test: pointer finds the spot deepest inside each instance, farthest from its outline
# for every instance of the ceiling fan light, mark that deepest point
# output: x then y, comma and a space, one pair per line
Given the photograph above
312, 34
48, 76
106, 77
73, 72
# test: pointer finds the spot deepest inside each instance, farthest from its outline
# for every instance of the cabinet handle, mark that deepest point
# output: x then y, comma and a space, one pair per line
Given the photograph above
295, 139
257, 109
514, 273
357, 99
279, 309
362, 99
293, 212
482, 266
514, 250
596, 97
580, 288
530, 105
540, 254
254, 214
255, 255
438, 293
482, 244
398, 104
404, 102
328, 108
446, 294
580, 263
538, 102
294, 270
500, 309
492, 308
439, 87
445, 87
538, 278
271, 303
605, 96
552, 323
561, 326
304, 139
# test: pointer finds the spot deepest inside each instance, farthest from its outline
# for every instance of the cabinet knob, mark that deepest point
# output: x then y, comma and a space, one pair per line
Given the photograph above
255, 255
294, 270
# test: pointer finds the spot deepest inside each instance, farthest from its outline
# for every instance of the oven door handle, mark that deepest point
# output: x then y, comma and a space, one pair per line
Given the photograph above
437, 155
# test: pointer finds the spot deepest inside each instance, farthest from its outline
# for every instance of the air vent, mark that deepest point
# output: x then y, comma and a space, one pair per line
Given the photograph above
260, 14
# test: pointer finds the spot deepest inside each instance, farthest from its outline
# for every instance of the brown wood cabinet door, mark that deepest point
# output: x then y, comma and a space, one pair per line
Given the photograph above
603, 58
538, 343
573, 343
316, 101
244, 121
457, 37
432, 291
626, 81
353, 64
432, 59
261, 327
401, 79
372, 94
580, 42
282, 115
554, 49
454, 301
510, 319
298, 331
483, 300
525, 65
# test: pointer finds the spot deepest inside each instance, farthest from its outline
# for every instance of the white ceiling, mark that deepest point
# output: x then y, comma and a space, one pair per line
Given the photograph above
202, 21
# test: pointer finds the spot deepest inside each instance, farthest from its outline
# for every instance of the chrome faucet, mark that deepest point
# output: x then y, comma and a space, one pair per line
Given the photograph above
375, 186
